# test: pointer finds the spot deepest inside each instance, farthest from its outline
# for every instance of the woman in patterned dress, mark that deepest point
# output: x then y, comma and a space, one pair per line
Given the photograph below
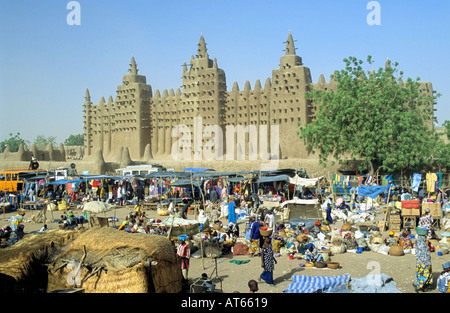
425, 221
391, 240
312, 255
405, 241
255, 236
350, 242
424, 274
268, 262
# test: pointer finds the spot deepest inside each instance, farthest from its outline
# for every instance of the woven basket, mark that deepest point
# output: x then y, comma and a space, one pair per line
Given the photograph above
346, 226
217, 226
396, 251
320, 264
333, 265
267, 232
339, 249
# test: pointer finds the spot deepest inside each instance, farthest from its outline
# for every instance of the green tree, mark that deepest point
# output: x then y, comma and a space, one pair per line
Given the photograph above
14, 141
42, 142
74, 140
372, 116
446, 124
441, 149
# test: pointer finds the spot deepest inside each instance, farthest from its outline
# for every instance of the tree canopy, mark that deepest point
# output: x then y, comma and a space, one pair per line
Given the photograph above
42, 142
74, 140
376, 117
14, 142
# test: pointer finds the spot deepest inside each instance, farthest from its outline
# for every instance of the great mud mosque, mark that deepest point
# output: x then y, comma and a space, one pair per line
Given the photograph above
142, 120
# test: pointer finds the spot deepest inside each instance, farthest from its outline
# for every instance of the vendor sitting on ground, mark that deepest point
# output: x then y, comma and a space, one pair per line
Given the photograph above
405, 241
361, 242
350, 242
316, 229
300, 228
391, 240
311, 254
232, 231
70, 220
303, 245
5, 232
123, 225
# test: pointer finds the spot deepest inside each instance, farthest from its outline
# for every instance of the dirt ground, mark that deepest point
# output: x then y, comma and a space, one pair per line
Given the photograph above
231, 277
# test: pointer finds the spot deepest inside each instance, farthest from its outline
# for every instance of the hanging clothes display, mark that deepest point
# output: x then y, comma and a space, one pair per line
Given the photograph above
440, 180
341, 184
416, 179
431, 179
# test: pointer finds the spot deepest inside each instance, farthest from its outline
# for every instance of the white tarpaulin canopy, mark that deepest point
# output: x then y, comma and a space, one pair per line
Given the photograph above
306, 182
178, 221
97, 207
300, 201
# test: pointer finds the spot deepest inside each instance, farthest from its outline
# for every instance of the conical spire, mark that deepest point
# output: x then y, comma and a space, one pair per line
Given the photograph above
235, 87
201, 52
321, 79
247, 86
267, 84
133, 66
290, 47
257, 84
88, 96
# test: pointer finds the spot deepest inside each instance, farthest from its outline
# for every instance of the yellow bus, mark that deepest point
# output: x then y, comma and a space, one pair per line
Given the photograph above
11, 180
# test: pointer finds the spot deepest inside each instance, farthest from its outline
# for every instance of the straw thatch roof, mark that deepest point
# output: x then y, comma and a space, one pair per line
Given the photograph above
115, 261
16, 262
110, 261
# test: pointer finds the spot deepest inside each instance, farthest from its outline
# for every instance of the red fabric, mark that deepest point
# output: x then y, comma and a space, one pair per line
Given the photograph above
240, 249
410, 204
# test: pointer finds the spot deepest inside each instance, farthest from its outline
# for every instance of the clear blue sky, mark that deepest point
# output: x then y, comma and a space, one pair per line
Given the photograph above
46, 64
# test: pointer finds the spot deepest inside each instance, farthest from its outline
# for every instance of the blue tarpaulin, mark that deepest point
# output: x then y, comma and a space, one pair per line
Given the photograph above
197, 170
372, 191
268, 179
186, 183
66, 181
311, 284
168, 175
378, 283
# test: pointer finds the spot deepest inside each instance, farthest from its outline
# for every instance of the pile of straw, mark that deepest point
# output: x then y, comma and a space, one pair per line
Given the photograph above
113, 261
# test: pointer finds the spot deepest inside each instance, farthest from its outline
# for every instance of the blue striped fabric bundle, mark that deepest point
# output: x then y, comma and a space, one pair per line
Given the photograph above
310, 284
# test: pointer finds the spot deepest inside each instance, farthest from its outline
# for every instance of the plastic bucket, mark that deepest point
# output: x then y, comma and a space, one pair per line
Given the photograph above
422, 231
